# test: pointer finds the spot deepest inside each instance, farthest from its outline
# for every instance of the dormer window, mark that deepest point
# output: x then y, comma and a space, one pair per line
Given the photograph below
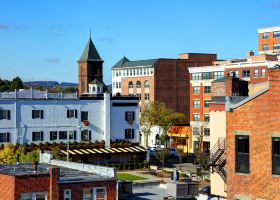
98, 89
93, 89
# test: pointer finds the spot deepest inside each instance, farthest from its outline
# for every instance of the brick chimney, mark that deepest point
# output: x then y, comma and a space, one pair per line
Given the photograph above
54, 183
250, 53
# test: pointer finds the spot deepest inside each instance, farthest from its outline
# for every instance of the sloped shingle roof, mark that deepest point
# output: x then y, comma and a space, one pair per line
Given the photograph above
125, 62
90, 53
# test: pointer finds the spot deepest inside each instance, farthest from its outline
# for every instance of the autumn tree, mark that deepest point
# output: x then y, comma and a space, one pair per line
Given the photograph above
162, 155
158, 114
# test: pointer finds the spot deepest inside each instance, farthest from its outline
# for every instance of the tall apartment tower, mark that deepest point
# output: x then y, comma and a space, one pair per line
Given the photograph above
90, 67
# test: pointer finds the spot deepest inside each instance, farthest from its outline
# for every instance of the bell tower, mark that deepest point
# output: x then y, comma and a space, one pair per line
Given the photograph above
90, 67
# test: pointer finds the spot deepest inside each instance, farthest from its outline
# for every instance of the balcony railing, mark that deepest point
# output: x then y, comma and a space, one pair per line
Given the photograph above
37, 94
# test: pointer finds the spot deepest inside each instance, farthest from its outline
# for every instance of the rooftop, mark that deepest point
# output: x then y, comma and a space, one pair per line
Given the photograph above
125, 62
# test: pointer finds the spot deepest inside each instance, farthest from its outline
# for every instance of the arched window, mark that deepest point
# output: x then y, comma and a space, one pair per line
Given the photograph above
93, 88
146, 84
130, 84
138, 84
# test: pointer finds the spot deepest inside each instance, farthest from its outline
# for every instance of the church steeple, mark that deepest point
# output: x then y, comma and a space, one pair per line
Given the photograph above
90, 53
90, 67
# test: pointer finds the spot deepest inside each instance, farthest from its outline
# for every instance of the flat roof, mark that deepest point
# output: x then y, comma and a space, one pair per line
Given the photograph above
67, 175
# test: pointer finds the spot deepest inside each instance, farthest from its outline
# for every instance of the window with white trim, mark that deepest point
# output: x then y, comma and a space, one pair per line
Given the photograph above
67, 194
72, 113
37, 114
34, 196
5, 114
196, 103
265, 47
129, 133
263, 72
86, 135
37, 136
265, 35
276, 46
256, 73
196, 76
276, 34
5, 137
196, 117
218, 75
196, 89
94, 194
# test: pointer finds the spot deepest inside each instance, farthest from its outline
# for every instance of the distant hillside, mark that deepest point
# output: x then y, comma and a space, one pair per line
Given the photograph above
49, 84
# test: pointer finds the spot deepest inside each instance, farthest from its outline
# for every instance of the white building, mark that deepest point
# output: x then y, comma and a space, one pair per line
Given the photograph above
37, 116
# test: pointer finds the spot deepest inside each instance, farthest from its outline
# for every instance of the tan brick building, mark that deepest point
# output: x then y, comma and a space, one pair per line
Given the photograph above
253, 143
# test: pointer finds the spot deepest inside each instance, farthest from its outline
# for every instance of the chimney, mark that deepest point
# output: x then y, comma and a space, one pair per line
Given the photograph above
250, 53
35, 167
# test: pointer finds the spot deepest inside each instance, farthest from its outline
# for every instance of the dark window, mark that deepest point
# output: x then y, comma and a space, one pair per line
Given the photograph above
147, 96
207, 75
130, 84
276, 34
53, 135
276, 156
265, 47
246, 73
139, 96
84, 116
129, 133
206, 103
37, 114
86, 135
62, 135
207, 89
72, 113
206, 117
242, 154
138, 84
206, 131
265, 35
124, 104
37, 136
5, 114
4, 137
196, 117
181, 141
276, 46
129, 116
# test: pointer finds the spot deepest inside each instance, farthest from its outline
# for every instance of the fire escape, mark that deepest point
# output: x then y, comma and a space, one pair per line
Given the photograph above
217, 160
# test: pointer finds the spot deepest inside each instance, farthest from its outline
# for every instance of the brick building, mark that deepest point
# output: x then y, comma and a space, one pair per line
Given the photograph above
165, 80
269, 40
253, 143
59, 180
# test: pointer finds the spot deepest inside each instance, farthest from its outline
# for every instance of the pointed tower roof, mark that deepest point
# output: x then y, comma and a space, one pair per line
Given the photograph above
90, 53
121, 62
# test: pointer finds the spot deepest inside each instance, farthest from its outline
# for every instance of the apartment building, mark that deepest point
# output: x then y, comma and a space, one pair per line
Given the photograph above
165, 80
252, 69
269, 40
57, 180
253, 143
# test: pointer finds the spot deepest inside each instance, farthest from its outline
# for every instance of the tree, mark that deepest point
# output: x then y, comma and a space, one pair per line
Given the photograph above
70, 89
162, 155
7, 154
181, 154
16, 84
158, 114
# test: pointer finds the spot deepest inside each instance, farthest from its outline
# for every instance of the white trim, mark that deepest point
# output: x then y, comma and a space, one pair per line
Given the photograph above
269, 29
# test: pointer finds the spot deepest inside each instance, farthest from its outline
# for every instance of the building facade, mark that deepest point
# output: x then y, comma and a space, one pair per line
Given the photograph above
253, 143
37, 116
269, 40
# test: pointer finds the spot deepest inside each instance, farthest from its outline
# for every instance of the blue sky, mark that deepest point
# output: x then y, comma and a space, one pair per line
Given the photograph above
42, 40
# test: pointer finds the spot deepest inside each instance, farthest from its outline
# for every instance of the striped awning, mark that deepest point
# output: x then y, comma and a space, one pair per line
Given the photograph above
134, 149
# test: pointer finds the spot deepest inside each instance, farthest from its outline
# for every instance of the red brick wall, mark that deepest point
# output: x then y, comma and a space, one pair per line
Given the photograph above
270, 41
77, 189
260, 117
7, 187
54, 183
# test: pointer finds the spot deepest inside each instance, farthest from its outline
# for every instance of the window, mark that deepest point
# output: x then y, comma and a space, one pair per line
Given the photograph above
144, 70
139, 95
218, 75
206, 117
196, 131
72, 113
246, 73
120, 86
263, 73
196, 90
276, 46
53, 135
63, 135
146, 84
265, 47
265, 35
84, 116
94, 194
67, 194
276, 34
34, 196
196, 76
129, 116
138, 84
276, 155
207, 89
130, 72
37, 114
196, 103
256, 72
206, 131
4, 137
242, 154
37, 136
196, 145
196, 117
182, 141
236, 73
86, 135
5, 114
129, 133
206, 103
130, 84
98, 89
147, 96
207, 75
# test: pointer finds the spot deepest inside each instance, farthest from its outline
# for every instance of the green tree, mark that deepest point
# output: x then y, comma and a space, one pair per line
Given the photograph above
16, 83
7, 154
158, 114
70, 89
162, 155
